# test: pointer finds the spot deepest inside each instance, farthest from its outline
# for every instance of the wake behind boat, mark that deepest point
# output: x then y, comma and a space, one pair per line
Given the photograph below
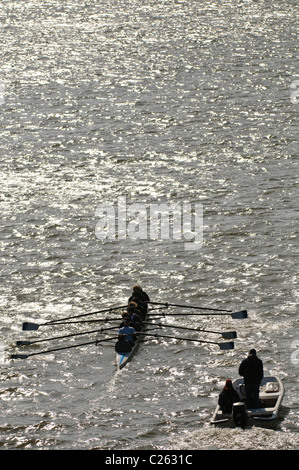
270, 396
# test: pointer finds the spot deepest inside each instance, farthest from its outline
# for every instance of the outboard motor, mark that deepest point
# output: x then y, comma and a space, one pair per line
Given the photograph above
240, 415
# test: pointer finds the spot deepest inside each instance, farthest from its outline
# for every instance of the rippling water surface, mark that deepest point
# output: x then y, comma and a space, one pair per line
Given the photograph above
158, 102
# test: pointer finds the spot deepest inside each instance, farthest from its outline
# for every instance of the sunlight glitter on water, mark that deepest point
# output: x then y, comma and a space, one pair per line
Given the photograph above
156, 101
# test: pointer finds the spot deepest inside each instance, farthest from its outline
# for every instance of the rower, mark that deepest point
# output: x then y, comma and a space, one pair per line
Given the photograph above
139, 305
137, 292
138, 309
135, 319
124, 315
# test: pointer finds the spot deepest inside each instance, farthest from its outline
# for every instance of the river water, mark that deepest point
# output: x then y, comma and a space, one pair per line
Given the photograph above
173, 102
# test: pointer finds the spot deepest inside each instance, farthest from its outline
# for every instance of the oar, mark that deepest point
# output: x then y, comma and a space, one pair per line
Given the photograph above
24, 356
34, 326
166, 304
101, 330
155, 308
225, 335
236, 315
229, 345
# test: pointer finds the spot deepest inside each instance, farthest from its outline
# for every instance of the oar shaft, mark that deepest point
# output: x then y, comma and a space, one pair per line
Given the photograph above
187, 328
235, 315
166, 304
85, 314
27, 326
223, 346
98, 320
101, 330
191, 314
24, 356
177, 337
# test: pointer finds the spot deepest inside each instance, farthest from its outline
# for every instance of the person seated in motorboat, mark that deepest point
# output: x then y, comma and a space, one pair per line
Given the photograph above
126, 337
228, 396
135, 319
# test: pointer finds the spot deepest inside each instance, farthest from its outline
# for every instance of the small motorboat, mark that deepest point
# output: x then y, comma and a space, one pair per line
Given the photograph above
271, 395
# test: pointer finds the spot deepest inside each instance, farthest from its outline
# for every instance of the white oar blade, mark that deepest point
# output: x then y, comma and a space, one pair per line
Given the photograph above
226, 346
30, 326
239, 315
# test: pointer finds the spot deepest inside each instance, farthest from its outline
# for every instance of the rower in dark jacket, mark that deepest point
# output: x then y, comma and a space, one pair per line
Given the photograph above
252, 370
137, 292
135, 319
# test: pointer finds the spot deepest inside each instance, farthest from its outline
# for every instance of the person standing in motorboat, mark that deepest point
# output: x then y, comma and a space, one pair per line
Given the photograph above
252, 370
